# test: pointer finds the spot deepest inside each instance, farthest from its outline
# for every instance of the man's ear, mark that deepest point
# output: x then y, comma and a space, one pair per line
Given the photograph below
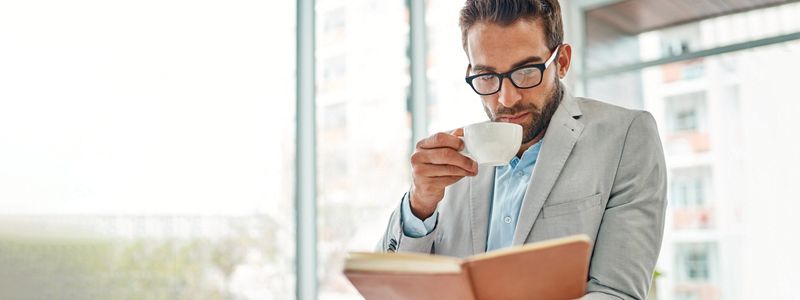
564, 59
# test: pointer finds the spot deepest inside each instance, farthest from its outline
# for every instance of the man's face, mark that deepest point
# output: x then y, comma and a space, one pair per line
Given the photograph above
492, 48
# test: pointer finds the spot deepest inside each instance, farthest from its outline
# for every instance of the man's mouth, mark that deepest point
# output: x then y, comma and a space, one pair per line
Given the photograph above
518, 118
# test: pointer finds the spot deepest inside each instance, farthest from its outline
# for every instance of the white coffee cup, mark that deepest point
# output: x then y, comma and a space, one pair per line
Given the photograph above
492, 143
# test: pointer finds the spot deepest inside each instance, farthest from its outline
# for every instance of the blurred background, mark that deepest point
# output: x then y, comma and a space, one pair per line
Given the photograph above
147, 149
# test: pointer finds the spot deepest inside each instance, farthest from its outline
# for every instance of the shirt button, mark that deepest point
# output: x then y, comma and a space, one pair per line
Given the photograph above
519, 173
507, 219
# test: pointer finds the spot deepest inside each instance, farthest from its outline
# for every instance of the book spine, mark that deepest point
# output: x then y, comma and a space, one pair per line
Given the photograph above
468, 278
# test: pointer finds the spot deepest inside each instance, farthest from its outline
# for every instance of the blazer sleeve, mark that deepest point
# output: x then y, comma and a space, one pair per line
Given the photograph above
395, 240
630, 234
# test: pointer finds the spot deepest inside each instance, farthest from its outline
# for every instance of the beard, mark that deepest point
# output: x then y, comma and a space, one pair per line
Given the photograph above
540, 117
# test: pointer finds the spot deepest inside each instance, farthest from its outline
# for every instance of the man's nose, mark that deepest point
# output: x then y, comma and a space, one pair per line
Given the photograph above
508, 94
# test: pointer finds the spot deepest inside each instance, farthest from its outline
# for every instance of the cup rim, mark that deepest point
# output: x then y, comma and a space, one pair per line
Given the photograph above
491, 124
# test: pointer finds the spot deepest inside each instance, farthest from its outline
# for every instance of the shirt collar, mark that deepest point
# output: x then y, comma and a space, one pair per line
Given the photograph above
528, 157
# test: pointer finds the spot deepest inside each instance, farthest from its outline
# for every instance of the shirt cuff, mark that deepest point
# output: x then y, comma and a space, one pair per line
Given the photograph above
413, 226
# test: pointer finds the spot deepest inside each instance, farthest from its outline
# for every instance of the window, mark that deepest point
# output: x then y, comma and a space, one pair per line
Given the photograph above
695, 267
721, 107
688, 198
694, 262
685, 112
335, 116
363, 136
146, 149
685, 120
335, 20
688, 193
335, 68
451, 102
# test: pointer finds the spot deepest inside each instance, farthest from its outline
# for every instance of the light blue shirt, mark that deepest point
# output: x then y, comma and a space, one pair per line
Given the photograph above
510, 184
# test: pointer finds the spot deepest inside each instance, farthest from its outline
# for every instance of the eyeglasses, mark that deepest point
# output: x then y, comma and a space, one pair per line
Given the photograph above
524, 77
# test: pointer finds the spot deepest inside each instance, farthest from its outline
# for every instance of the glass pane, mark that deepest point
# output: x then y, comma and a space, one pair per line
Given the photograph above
615, 37
726, 123
451, 102
146, 150
695, 267
363, 129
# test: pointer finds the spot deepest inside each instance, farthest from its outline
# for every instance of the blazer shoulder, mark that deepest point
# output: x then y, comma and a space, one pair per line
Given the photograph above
601, 113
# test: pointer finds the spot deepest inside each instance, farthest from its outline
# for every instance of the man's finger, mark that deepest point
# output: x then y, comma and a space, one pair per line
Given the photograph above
457, 132
444, 156
442, 181
441, 140
431, 170
446, 180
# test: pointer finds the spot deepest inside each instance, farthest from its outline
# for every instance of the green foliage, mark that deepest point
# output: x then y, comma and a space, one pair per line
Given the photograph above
140, 268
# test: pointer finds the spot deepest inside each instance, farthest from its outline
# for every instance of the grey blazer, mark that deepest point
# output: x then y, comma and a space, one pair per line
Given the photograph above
600, 172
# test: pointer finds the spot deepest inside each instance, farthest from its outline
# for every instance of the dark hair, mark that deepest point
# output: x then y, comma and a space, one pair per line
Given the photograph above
506, 12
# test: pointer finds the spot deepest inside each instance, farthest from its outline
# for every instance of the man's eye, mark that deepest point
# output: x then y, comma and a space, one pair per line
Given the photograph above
486, 78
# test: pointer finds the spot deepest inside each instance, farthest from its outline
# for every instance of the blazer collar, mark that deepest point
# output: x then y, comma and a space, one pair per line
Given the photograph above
569, 104
557, 144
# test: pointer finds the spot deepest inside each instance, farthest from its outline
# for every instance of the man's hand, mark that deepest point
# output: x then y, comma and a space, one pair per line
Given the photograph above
436, 164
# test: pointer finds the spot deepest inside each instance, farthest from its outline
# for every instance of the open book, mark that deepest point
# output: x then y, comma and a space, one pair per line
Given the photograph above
552, 269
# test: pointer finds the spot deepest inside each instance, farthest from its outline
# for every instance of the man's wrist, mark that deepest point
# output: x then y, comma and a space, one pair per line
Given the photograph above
419, 210
412, 225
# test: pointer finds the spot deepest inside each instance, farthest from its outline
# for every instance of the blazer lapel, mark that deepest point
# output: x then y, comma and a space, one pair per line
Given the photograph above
481, 188
560, 138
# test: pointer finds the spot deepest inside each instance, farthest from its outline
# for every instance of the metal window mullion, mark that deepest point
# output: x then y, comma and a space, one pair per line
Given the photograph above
305, 156
417, 54
577, 18
693, 55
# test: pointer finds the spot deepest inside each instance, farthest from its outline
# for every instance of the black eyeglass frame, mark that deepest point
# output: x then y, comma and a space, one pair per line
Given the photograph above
542, 67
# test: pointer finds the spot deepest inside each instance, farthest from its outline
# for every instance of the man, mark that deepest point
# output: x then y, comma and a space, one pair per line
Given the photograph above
584, 166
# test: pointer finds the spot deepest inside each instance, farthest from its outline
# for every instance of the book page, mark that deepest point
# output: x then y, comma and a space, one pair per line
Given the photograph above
402, 263
556, 269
